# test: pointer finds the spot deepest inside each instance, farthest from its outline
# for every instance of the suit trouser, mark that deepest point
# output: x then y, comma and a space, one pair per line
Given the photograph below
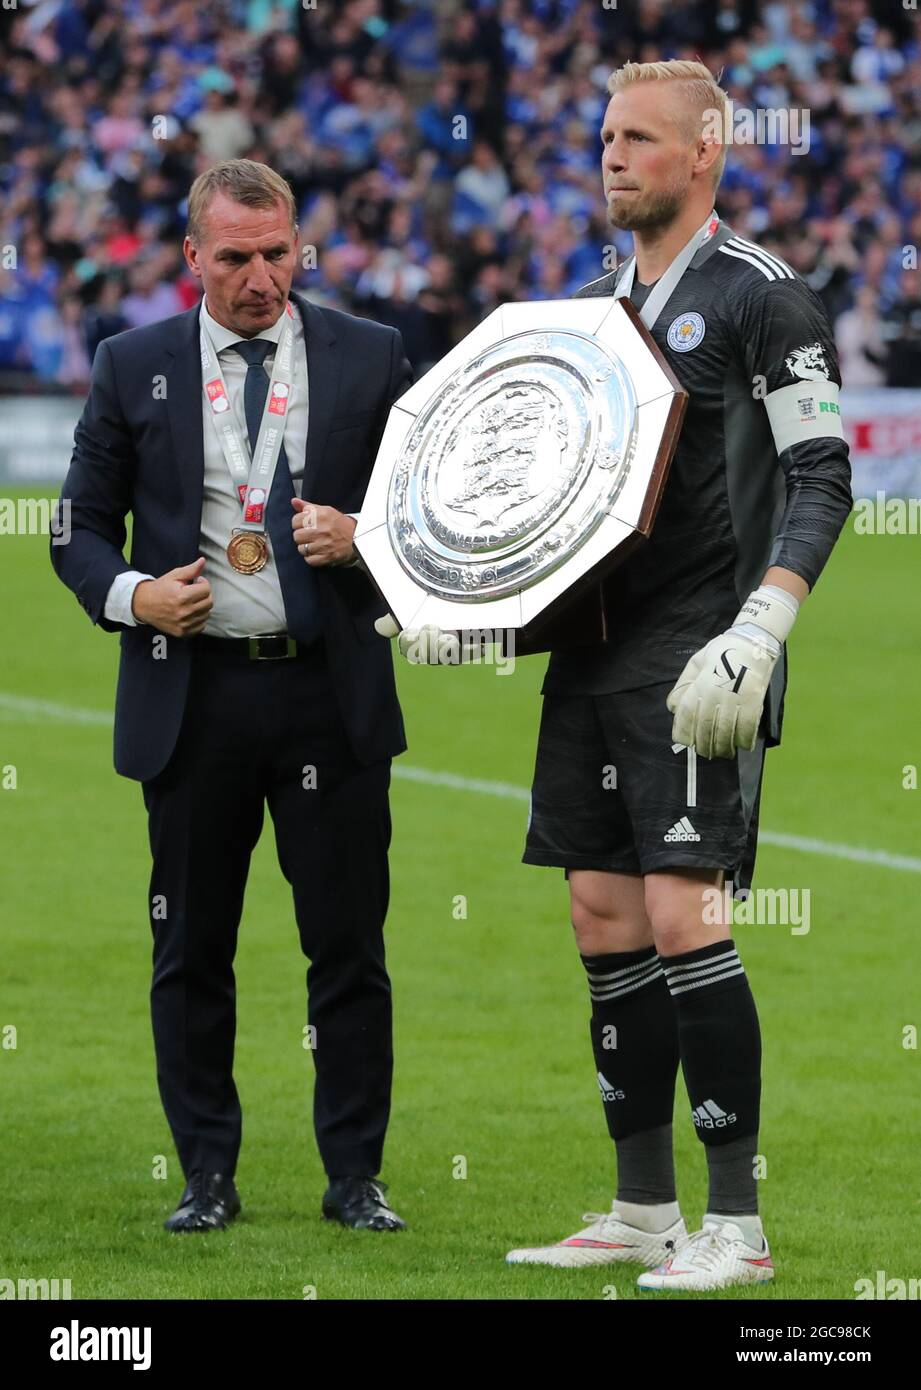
252, 732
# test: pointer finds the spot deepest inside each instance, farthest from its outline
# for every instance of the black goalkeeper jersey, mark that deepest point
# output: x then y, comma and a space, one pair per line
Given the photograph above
760, 476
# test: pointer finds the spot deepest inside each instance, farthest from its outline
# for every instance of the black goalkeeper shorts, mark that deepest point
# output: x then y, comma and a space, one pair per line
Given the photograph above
611, 791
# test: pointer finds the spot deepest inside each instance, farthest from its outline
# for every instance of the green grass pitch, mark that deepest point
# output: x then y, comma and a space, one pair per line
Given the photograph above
492, 1055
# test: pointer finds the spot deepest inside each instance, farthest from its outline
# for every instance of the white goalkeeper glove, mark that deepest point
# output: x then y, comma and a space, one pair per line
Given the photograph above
429, 645
718, 698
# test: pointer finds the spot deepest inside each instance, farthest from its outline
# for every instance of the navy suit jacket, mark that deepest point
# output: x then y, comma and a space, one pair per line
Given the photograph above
138, 447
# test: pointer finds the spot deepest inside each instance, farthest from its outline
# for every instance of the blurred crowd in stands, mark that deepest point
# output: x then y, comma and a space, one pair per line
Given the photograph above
445, 156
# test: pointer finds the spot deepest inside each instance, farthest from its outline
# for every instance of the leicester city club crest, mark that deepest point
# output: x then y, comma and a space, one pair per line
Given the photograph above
686, 332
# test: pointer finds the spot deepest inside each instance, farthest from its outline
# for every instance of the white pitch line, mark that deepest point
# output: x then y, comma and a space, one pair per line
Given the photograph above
29, 710
882, 857
460, 784
37, 711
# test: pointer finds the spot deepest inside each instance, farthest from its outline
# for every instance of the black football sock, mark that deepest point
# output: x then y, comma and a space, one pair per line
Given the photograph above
635, 1042
733, 1188
720, 1043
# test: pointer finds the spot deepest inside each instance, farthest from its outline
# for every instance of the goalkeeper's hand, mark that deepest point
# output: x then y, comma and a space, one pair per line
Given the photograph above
429, 645
718, 698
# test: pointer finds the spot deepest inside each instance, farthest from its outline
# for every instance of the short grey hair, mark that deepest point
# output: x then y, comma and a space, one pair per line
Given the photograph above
245, 181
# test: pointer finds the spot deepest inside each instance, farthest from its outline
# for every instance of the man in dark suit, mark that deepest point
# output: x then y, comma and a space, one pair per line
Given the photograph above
250, 669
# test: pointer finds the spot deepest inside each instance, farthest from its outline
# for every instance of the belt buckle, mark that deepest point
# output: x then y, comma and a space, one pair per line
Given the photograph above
255, 654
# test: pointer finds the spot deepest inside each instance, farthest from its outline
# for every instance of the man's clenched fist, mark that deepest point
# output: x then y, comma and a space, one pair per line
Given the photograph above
322, 534
177, 603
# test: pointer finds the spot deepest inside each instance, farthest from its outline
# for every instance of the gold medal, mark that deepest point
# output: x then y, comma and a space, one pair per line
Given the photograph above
247, 551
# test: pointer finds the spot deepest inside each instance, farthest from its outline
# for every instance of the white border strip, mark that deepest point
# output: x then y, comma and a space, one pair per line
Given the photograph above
40, 711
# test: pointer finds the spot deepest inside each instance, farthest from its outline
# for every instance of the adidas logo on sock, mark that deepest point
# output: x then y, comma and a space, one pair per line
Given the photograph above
711, 1116
681, 830
607, 1090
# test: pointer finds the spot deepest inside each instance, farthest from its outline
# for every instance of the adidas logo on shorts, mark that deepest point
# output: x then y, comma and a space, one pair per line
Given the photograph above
681, 830
711, 1116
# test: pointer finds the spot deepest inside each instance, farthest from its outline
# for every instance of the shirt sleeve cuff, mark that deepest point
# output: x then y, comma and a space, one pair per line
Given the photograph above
121, 592
350, 564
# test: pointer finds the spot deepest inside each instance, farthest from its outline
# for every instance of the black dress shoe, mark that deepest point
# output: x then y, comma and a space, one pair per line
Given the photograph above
209, 1203
360, 1203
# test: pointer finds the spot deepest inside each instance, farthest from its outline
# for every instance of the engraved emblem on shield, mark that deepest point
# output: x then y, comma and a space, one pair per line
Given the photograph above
519, 467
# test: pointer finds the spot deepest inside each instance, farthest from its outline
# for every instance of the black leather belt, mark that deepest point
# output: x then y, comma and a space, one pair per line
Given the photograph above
264, 646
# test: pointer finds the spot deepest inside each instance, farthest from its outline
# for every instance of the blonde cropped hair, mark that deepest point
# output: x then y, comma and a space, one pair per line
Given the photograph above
706, 103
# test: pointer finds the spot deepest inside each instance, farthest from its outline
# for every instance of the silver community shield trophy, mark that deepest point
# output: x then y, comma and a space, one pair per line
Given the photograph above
514, 474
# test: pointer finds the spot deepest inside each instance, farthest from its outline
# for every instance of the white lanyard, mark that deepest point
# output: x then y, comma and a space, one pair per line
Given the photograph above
253, 483
666, 284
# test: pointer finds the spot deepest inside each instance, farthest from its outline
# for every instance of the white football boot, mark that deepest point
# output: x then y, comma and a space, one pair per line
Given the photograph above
607, 1240
715, 1257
